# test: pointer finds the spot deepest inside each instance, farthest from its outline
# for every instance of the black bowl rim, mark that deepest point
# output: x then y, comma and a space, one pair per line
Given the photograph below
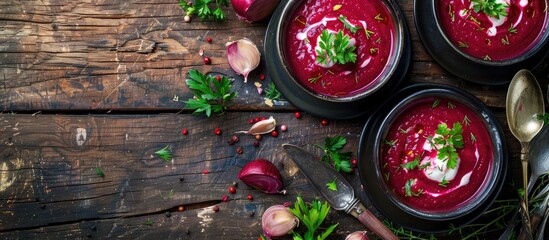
458, 63
321, 106
378, 196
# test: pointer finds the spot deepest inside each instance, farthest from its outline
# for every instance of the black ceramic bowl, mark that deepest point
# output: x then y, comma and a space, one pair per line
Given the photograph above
282, 73
391, 204
453, 58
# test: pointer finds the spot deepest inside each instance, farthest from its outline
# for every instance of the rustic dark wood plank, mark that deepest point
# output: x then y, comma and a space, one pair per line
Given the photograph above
50, 187
105, 55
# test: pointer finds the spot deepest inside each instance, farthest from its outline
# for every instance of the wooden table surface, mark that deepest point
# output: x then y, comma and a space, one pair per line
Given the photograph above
91, 83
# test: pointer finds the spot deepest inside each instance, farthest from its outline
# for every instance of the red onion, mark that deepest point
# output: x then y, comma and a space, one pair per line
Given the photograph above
254, 10
262, 175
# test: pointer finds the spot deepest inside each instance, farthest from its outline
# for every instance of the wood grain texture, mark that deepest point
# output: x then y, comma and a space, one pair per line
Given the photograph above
50, 188
134, 54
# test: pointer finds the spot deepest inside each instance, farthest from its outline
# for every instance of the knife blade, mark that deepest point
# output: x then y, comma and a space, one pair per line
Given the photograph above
320, 173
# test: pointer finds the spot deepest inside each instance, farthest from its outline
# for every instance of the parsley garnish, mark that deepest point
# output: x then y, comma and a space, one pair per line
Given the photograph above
332, 149
312, 218
490, 8
209, 93
348, 25
332, 185
203, 10
408, 188
411, 165
449, 139
164, 153
99, 172
335, 48
272, 93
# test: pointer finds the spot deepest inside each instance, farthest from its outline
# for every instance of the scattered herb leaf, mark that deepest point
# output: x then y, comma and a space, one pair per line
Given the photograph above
473, 138
435, 103
352, 28
210, 95
202, 9
379, 18
164, 153
491, 8
332, 185
333, 155
408, 188
312, 217
335, 48
451, 105
368, 33
272, 93
411, 165
512, 29
466, 121
390, 143
149, 222
544, 118
444, 182
99, 172
170, 194
462, 44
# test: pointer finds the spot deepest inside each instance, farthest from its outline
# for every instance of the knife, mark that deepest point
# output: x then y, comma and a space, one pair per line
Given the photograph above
320, 173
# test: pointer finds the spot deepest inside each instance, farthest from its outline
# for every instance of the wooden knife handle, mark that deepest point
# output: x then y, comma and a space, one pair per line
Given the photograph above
372, 222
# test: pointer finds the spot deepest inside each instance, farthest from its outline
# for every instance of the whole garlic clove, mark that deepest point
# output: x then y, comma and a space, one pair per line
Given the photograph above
243, 56
262, 127
358, 235
278, 221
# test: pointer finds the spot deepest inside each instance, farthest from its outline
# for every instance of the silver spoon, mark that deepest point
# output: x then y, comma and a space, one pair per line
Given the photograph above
523, 103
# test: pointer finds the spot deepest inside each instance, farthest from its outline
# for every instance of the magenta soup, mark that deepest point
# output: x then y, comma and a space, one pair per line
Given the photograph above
502, 35
415, 162
374, 39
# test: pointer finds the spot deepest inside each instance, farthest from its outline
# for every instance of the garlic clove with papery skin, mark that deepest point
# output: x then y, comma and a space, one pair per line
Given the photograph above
278, 221
358, 235
243, 56
262, 127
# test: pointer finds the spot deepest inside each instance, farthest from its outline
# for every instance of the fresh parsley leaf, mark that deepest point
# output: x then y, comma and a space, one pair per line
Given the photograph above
205, 10
149, 222
408, 188
341, 161
544, 118
411, 165
312, 217
490, 7
210, 95
352, 28
272, 93
164, 153
332, 185
450, 140
335, 48
99, 172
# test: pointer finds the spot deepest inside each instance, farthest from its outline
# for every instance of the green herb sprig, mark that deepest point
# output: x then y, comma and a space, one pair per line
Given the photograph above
335, 48
164, 153
312, 217
332, 185
202, 9
272, 93
544, 118
490, 8
408, 188
333, 155
210, 95
348, 26
450, 139
99, 172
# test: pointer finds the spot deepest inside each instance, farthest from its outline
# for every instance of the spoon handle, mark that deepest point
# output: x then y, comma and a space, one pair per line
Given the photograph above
524, 159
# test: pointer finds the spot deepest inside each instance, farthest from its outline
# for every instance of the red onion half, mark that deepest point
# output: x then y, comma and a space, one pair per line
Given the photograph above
262, 175
254, 10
